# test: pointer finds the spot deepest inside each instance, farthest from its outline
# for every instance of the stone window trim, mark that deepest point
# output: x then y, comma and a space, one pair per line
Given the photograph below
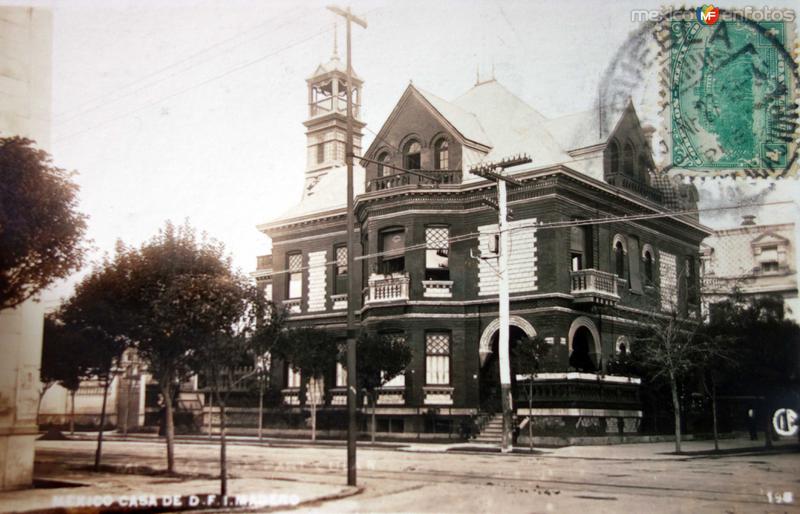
383, 155
649, 278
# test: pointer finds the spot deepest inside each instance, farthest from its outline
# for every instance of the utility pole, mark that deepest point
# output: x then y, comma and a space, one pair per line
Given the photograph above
352, 422
495, 172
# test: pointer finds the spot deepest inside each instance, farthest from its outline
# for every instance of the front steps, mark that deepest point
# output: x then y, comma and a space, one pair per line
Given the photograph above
492, 432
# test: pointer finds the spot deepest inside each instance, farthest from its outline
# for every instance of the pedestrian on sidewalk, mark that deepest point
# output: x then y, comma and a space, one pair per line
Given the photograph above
752, 424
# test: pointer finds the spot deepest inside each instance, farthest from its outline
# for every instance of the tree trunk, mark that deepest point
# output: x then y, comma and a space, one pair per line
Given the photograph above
99, 452
374, 397
714, 413
530, 411
223, 463
166, 391
72, 412
314, 412
210, 413
127, 402
767, 424
676, 406
260, 408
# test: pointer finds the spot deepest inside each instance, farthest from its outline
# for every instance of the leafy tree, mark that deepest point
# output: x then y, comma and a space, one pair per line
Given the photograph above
266, 337
529, 355
93, 314
224, 313
767, 347
40, 228
154, 276
65, 360
312, 352
379, 359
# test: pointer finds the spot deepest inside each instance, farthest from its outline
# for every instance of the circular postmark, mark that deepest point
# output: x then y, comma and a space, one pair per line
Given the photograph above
720, 94
785, 422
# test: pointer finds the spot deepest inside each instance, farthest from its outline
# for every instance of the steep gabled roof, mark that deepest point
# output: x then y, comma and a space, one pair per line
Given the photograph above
464, 122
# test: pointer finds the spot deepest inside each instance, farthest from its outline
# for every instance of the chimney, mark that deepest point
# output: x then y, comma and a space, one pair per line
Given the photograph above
748, 220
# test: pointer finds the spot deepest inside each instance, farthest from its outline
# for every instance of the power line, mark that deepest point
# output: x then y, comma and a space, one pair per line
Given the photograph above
194, 86
199, 84
82, 109
544, 226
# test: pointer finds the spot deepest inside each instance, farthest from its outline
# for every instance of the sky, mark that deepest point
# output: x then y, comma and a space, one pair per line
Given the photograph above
192, 110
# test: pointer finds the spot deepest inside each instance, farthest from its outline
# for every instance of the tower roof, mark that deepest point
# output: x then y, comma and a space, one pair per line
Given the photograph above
334, 66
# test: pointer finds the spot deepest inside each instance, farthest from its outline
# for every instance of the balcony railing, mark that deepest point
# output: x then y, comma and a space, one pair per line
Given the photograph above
444, 177
631, 184
387, 288
437, 288
264, 262
578, 390
594, 286
391, 396
293, 305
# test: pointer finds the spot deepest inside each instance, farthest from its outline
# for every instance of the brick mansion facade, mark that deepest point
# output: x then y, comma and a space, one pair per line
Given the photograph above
426, 257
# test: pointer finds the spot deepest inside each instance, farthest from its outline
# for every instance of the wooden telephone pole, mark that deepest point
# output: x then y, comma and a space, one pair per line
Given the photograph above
494, 171
352, 421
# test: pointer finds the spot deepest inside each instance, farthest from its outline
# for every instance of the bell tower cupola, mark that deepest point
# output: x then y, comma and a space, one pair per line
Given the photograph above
327, 116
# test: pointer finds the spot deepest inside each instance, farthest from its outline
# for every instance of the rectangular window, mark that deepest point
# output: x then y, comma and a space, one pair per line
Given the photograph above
320, 153
437, 358
294, 263
341, 370
437, 249
293, 378
400, 380
577, 262
393, 250
691, 281
340, 269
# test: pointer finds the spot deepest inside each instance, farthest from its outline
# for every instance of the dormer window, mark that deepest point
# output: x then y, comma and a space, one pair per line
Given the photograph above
442, 155
628, 160
412, 156
770, 253
613, 156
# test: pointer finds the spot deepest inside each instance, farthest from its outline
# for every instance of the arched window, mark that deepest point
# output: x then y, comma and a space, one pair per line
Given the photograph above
442, 155
619, 256
382, 158
613, 154
644, 168
628, 163
412, 155
648, 266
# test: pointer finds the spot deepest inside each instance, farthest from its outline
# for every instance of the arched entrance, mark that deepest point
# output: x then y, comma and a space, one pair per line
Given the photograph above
519, 329
584, 345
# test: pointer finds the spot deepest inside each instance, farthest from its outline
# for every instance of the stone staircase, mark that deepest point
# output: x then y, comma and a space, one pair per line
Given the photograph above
492, 431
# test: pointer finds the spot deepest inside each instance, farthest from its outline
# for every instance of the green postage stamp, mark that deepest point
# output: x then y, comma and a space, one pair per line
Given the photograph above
732, 99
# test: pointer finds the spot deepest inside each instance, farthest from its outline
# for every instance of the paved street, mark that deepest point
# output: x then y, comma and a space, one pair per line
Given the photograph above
631, 478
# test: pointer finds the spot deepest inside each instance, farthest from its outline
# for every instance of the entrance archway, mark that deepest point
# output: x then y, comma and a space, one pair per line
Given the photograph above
489, 386
585, 352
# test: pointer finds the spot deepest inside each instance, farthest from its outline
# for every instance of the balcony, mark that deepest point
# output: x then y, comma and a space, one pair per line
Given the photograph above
445, 177
631, 184
437, 288
594, 286
584, 391
292, 306
387, 288
264, 262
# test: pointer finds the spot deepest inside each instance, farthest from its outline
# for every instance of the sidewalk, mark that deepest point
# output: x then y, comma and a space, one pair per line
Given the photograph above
77, 491
662, 450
